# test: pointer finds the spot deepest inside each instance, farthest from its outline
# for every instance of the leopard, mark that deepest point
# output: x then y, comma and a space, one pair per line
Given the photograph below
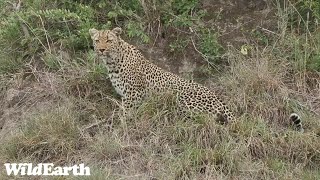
134, 77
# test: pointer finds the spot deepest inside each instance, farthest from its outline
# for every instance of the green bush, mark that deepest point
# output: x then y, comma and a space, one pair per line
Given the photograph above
47, 26
209, 45
305, 13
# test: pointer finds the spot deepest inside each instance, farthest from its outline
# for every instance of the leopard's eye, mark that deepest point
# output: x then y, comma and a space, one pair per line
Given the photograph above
109, 41
97, 41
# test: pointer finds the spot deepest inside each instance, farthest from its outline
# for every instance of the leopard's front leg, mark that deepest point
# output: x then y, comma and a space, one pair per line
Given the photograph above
131, 100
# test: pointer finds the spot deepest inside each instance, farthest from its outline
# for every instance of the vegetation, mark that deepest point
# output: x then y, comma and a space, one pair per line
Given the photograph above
59, 107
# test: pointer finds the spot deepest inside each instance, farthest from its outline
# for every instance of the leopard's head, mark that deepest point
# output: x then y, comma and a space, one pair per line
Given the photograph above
105, 41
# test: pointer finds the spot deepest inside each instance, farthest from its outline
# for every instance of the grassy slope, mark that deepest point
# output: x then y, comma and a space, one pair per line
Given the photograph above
64, 111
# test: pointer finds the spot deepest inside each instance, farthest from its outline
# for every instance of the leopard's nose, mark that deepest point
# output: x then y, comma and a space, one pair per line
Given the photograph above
101, 50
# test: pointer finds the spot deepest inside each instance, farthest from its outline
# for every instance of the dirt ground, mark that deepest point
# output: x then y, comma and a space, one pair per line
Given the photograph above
235, 20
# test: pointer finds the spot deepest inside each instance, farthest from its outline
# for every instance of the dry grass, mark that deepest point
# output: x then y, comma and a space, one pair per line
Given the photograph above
158, 143
264, 86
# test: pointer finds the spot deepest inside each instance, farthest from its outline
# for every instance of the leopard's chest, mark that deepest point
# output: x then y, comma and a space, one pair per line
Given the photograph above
114, 75
117, 83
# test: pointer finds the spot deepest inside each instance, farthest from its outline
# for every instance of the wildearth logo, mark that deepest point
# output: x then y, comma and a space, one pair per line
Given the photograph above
45, 169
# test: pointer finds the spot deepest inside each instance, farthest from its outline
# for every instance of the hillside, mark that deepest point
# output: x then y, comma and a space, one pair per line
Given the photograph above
261, 56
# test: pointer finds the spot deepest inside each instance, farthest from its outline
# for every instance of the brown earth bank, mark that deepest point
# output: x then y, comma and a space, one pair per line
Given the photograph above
237, 24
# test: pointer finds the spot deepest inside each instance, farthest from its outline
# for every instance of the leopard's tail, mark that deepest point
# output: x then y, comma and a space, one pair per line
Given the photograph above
296, 121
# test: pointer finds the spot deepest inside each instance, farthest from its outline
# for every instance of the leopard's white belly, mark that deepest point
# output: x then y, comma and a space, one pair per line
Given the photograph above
119, 90
115, 80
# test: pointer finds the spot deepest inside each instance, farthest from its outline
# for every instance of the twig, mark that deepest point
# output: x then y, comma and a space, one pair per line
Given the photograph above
94, 125
45, 31
28, 27
196, 49
267, 30
203, 55
158, 32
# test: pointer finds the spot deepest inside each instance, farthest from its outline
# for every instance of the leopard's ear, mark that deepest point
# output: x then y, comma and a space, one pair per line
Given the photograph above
92, 32
117, 31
